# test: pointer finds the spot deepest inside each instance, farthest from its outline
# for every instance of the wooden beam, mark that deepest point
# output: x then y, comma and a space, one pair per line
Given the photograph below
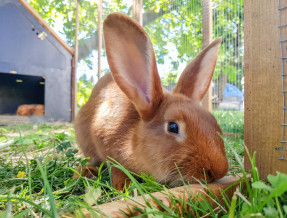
100, 38
14, 120
137, 11
263, 86
127, 206
206, 40
73, 90
74, 64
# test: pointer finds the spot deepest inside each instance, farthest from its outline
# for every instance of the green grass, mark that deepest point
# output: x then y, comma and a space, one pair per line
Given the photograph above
37, 163
230, 121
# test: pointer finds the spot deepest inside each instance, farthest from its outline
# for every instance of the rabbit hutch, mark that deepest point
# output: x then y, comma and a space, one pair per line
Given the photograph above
36, 67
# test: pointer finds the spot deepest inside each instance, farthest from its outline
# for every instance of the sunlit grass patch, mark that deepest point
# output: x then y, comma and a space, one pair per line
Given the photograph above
38, 163
230, 121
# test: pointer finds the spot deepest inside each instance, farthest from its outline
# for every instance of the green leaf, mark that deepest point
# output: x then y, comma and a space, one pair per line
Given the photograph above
270, 212
61, 136
278, 191
277, 180
85, 161
41, 145
232, 76
3, 190
92, 195
71, 152
261, 185
285, 209
59, 148
66, 145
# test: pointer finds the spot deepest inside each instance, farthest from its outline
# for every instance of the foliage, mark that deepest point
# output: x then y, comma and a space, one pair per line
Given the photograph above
228, 24
51, 10
170, 80
175, 28
85, 87
61, 14
180, 26
259, 199
271, 195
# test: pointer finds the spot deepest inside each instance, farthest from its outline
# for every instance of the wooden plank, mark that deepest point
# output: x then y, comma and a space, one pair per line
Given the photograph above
137, 11
206, 40
13, 120
100, 37
114, 209
74, 82
74, 89
263, 86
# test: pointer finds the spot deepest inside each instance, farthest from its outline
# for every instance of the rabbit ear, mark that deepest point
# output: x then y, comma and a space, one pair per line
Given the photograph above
132, 62
196, 78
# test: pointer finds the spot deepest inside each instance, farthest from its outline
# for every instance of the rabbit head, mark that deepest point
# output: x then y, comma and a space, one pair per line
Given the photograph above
174, 130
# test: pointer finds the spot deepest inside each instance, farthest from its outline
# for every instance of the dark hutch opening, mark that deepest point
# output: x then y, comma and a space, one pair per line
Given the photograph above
16, 90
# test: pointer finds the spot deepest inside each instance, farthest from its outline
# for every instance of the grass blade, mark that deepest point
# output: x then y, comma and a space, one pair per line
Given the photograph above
49, 190
28, 162
48, 213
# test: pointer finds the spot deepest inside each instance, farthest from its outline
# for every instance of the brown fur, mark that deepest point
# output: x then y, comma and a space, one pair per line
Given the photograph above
31, 110
127, 113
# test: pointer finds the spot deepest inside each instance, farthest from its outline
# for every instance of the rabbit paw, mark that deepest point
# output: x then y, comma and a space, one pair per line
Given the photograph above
90, 171
119, 179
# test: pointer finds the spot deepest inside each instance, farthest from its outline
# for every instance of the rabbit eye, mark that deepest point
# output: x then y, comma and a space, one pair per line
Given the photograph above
173, 127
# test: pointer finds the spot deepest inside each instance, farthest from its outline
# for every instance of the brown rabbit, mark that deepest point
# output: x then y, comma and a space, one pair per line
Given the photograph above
132, 119
31, 110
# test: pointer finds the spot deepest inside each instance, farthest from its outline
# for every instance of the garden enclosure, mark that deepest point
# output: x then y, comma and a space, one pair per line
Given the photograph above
179, 30
169, 23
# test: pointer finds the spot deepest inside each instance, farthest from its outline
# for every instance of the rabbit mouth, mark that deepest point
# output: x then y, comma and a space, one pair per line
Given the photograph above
188, 180
175, 178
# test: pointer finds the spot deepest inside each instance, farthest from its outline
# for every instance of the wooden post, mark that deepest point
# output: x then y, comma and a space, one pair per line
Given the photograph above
100, 38
206, 40
127, 207
137, 11
75, 62
263, 86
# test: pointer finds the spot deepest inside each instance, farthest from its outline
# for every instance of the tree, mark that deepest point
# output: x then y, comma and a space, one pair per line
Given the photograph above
51, 10
85, 87
170, 24
170, 80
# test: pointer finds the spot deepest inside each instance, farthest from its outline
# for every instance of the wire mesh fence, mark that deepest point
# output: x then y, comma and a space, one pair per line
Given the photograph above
282, 12
176, 31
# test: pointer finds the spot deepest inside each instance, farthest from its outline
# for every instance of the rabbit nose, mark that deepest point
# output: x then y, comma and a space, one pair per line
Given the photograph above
218, 169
